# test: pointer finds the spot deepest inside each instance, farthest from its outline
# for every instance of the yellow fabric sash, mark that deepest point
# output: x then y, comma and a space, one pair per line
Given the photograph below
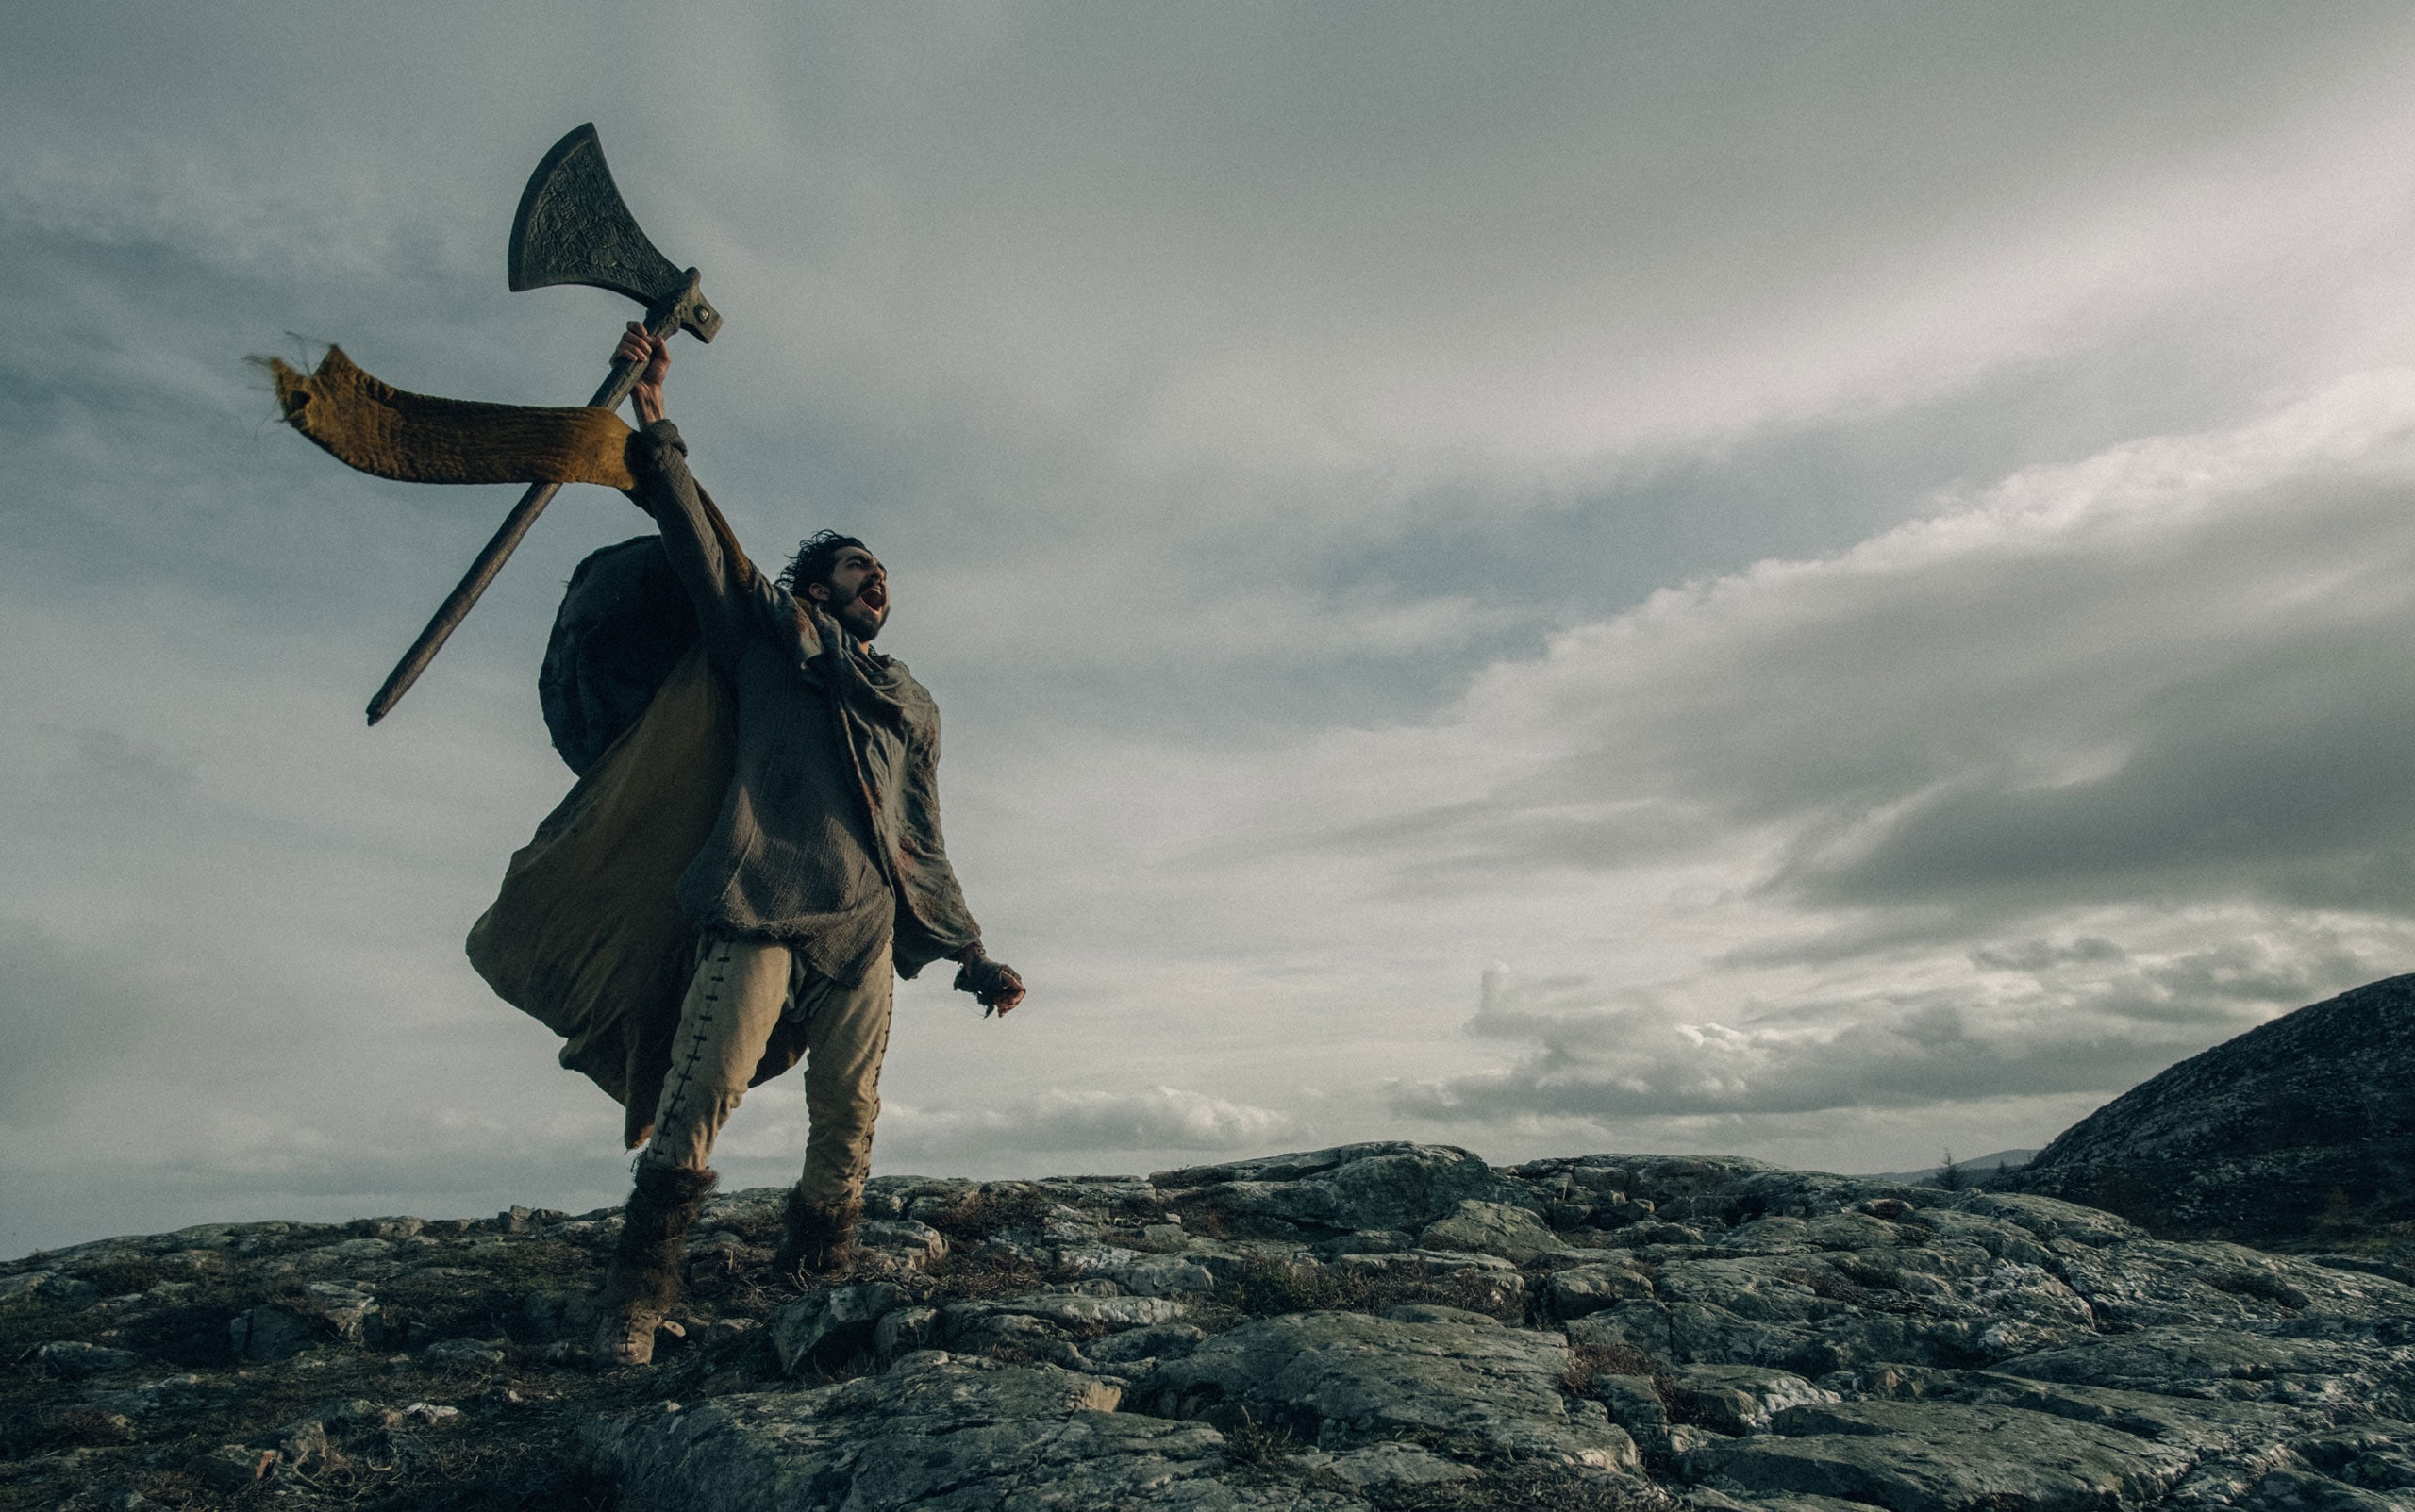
415, 438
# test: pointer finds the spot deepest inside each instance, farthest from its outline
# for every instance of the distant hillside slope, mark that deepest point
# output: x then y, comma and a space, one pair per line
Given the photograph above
1971, 1170
2300, 1133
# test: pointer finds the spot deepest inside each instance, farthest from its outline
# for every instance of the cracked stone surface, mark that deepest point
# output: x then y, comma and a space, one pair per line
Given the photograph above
935, 1434
1343, 1380
1655, 1333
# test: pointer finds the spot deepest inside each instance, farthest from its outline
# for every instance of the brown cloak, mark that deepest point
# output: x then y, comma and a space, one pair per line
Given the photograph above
585, 935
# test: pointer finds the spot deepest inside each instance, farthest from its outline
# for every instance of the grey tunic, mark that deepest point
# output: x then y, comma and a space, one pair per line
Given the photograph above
828, 839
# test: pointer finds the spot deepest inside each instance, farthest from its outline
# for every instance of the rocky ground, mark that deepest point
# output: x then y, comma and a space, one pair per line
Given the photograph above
1390, 1327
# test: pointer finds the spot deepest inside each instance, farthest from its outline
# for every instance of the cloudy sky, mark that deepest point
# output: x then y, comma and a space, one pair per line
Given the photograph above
1819, 582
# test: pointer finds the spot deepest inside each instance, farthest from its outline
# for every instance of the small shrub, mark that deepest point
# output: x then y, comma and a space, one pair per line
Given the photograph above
1264, 1288
116, 1278
27, 1324
989, 1210
1207, 1221
970, 1277
1526, 1488
2339, 1210
1251, 1442
1585, 1361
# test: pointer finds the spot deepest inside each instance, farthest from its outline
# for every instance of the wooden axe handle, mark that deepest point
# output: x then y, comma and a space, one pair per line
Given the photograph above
459, 603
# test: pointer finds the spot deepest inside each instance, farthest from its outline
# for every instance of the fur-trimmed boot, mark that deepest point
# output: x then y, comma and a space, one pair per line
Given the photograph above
816, 1238
643, 1282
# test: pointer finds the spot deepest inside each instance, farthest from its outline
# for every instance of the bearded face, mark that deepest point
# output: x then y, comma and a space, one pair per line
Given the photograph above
856, 594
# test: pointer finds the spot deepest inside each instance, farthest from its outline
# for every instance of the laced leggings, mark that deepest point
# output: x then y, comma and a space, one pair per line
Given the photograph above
740, 991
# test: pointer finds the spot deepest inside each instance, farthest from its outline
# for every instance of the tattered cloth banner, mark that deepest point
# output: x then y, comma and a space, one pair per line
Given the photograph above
584, 934
415, 438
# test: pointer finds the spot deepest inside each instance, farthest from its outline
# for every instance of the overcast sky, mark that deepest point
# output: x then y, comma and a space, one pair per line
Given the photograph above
1823, 582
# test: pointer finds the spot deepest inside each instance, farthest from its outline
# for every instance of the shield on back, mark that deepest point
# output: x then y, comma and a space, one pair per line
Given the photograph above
623, 624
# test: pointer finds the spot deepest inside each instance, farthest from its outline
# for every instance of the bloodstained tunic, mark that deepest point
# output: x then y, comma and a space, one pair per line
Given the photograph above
828, 839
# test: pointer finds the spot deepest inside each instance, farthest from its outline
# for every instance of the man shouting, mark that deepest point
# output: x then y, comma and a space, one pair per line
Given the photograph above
824, 873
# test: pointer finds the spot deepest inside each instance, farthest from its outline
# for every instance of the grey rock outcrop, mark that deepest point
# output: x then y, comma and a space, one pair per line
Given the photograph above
1634, 1332
830, 1323
936, 1434
2300, 1128
1937, 1453
1343, 1380
1351, 1189
1499, 1229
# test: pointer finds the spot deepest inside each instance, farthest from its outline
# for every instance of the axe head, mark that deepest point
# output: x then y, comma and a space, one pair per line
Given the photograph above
573, 228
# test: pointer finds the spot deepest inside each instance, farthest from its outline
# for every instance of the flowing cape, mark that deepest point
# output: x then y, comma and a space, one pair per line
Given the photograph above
585, 934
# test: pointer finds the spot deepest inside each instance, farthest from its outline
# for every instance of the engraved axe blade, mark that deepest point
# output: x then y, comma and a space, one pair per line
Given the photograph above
573, 228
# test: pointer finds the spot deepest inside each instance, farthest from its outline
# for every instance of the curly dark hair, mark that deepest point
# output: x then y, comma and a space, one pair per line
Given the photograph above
815, 556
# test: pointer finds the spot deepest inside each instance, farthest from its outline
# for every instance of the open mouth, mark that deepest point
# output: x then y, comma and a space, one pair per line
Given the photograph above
874, 597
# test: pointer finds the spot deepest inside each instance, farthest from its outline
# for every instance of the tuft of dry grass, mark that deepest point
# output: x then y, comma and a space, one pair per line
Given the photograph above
1251, 1442
1207, 1221
991, 1209
1526, 1489
1268, 1288
1585, 1361
972, 1278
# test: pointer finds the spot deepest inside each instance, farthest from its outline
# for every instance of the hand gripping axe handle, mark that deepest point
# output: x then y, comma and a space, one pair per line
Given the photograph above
573, 228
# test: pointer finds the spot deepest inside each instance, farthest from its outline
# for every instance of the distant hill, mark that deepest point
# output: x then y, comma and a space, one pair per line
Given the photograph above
1974, 1167
2296, 1135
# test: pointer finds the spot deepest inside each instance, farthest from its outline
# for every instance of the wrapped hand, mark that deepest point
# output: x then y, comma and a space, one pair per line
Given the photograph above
638, 344
997, 985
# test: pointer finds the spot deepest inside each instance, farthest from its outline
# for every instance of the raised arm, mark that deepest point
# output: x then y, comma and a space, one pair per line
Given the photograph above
727, 591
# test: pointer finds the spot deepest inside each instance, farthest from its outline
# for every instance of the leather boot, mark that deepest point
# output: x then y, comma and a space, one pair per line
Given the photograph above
816, 1238
643, 1282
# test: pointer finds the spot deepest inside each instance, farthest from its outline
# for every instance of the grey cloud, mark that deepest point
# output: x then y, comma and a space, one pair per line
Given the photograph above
1161, 1118
2038, 954
73, 1011
2248, 973
105, 769
2080, 1016
1215, 377
2068, 691
2279, 778
1923, 1057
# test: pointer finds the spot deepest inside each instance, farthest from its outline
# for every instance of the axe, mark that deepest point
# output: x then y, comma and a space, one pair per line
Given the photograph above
573, 228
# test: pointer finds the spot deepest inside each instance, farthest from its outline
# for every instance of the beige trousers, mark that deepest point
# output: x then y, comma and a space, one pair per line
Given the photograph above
740, 991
